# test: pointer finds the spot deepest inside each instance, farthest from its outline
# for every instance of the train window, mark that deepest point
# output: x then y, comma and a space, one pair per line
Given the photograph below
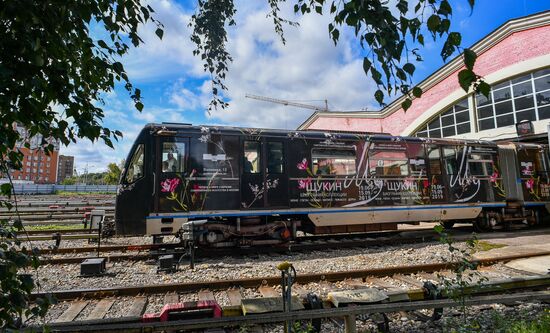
251, 157
532, 162
275, 157
480, 165
340, 162
135, 169
434, 157
417, 160
173, 157
388, 163
451, 160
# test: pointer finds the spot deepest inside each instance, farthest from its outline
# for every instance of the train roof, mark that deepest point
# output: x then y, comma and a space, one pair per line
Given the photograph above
312, 134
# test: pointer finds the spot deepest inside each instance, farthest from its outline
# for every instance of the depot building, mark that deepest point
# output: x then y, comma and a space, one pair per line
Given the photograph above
514, 59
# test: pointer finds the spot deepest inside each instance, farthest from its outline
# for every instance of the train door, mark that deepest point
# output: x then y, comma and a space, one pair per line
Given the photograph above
252, 179
264, 182
276, 177
171, 174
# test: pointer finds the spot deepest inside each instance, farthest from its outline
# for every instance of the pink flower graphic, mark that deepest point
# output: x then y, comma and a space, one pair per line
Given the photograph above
303, 183
530, 183
302, 165
169, 185
493, 178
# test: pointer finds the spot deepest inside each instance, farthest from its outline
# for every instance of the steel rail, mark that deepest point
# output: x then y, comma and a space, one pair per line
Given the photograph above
56, 231
315, 243
305, 278
308, 243
133, 324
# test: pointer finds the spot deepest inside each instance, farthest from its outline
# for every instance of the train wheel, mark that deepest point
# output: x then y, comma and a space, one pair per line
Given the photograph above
487, 221
448, 224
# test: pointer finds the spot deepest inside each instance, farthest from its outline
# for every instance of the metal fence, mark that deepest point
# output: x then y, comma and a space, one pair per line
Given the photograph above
52, 188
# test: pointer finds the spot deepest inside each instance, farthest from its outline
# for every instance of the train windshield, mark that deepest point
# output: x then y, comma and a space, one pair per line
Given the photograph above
135, 169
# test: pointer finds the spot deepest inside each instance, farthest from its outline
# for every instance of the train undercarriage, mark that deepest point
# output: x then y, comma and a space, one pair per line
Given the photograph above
278, 230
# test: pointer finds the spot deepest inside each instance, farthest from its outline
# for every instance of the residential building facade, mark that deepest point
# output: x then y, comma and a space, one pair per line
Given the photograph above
65, 167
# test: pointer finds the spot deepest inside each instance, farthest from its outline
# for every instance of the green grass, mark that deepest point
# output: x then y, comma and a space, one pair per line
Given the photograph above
486, 246
47, 227
69, 194
539, 324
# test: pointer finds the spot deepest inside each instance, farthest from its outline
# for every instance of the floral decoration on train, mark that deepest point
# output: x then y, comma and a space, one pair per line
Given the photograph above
494, 179
259, 192
532, 185
170, 186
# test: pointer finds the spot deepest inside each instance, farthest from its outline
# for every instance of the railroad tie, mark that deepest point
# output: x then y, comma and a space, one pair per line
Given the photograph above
234, 296
72, 312
355, 283
268, 291
171, 298
409, 280
101, 309
138, 307
206, 295
379, 283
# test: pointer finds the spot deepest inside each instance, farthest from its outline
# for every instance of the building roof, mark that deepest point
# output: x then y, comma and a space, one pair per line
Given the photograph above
499, 34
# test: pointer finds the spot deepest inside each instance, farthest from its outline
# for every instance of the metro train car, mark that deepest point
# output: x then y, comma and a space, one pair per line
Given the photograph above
230, 186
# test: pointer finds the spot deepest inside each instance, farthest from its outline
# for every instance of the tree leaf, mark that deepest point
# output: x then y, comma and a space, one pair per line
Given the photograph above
469, 59
433, 23
6, 189
409, 68
484, 88
417, 92
139, 106
379, 96
465, 78
406, 104
366, 65
159, 32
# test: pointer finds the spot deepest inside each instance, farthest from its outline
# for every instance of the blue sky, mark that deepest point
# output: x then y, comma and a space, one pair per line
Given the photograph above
309, 69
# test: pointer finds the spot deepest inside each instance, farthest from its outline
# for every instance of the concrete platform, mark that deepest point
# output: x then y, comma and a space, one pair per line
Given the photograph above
536, 241
536, 265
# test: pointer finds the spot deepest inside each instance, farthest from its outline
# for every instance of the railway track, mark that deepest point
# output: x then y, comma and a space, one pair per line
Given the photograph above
217, 285
87, 308
136, 324
305, 244
56, 211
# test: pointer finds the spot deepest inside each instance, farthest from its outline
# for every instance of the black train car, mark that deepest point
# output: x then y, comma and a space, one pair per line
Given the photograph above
224, 186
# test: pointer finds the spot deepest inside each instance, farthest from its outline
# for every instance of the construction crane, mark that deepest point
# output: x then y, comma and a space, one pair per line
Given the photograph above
290, 103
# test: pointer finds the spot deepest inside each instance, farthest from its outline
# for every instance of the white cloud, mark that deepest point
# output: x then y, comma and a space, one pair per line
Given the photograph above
157, 58
308, 67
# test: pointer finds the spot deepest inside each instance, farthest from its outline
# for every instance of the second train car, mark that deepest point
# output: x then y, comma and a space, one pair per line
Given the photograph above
228, 186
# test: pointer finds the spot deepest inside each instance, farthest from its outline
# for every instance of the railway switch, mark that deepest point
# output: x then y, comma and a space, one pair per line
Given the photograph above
288, 276
93, 266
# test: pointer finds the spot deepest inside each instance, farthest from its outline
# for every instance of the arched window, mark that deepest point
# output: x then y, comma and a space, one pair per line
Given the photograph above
524, 97
453, 121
